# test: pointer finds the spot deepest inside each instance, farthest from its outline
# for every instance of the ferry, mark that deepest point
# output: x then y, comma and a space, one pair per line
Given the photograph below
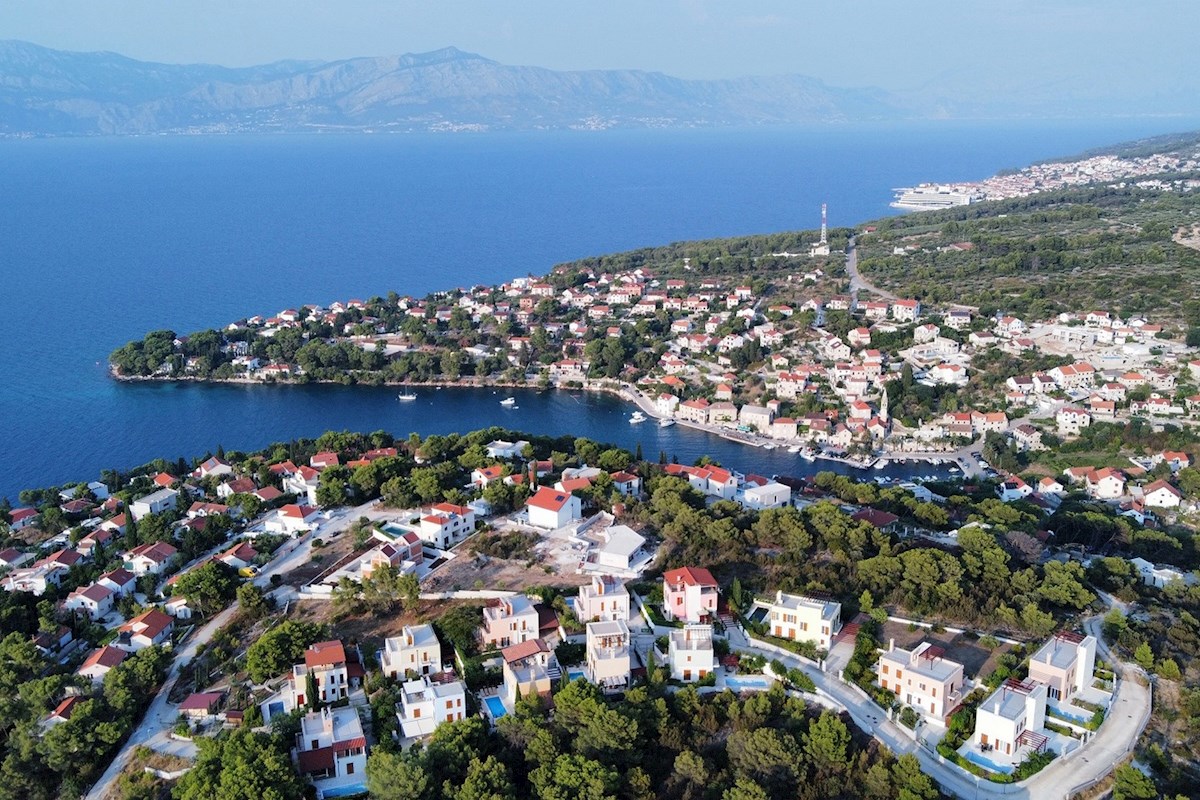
508, 401
407, 396
666, 422
636, 417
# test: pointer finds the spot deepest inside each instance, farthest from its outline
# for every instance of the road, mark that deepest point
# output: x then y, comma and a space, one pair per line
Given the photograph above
857, 282
1116, 737
154, 729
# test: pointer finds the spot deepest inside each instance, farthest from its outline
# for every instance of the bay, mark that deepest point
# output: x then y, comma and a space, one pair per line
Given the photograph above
102, 240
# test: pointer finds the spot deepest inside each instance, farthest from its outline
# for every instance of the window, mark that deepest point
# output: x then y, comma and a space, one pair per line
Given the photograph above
935, 691
884, 669
416, 713
314, 745
899, 674
349, 767
449, 704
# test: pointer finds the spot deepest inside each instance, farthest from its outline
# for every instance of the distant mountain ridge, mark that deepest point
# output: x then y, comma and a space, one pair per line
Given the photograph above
54, 92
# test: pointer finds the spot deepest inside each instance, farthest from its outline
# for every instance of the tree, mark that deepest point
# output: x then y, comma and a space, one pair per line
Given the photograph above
573, 777
911, 782
396, 776
252, 601
1144, 656
209, 587
486, 780
745, 789
1167, 668
241, 765
826, 743
1132, 784
279, 648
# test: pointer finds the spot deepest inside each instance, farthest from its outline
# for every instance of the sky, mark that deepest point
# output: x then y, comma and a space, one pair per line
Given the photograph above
891, 44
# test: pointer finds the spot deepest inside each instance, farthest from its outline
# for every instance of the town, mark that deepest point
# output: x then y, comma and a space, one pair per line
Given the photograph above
478, 578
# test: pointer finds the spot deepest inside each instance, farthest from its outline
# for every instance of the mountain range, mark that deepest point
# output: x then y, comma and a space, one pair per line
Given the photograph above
45, 92
53, 92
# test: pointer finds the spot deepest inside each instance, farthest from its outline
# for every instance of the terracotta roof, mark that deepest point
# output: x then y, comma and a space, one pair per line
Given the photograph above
107, 657
549, 499
519, 652
158, 552
66, 708
692, 576
325, 654
319, 760
149, 624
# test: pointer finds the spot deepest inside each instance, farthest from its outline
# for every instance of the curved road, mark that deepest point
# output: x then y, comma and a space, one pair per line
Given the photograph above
1116, 737
857, 282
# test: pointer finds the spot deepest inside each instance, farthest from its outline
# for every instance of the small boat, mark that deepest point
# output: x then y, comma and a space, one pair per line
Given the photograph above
794, 448
508, 401
769, 446
808, 454
880, 464
636, 417
407, 396
666, 422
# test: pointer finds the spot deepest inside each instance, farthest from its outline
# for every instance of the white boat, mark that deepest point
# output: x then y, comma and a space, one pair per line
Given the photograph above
794, 448
666, 422
508, 401
808, 454
636, 417
880, 464
407, 396
769, 446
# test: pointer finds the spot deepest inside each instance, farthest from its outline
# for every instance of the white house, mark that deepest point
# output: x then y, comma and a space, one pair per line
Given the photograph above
605, 598
802, 618
551, 509
99, 662
293, 519
150, 558
156, 503
506, 450
690, 653
427, 702
1161, 494
619, 548
94, 600
416, 652
446, 524
1008, 723
768, 495
331, 744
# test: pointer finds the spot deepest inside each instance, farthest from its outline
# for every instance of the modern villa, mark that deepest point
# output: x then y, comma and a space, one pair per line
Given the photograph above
608, 654
690, 653
922, 678
804, 618
605, 598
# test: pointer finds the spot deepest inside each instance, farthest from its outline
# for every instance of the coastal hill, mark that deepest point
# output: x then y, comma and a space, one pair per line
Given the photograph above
52, 92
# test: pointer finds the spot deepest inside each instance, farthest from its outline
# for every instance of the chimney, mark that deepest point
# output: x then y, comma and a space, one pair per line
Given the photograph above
891, 644
779, 595
996, 710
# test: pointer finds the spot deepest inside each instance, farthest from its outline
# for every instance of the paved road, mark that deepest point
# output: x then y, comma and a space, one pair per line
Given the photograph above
857, 282
1116, 737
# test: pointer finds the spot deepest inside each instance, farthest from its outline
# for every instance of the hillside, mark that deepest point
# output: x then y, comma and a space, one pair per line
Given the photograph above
1111, 247
51, 92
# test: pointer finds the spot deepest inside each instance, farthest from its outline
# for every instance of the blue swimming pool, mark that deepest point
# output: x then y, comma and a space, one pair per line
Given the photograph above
975, 758
345, 791
748, 683
495, 707
575, 674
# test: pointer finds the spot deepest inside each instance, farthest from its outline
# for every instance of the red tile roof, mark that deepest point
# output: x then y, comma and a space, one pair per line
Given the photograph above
549, 499
519, 652
692, 576
325, 654
107, 657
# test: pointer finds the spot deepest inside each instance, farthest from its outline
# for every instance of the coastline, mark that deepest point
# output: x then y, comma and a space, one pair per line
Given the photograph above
622, 391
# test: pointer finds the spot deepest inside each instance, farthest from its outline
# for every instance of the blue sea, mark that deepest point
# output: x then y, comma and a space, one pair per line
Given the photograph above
102, 240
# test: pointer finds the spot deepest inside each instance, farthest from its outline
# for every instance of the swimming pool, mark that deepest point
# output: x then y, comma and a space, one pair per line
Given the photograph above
975, 758
758, 614
495, 707
575, 674
345, 791
1060, 712
748, 683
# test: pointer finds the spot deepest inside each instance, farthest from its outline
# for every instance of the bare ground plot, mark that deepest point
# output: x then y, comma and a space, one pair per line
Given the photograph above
977, 661
332, 552
488, 572
1188, 238
370, 629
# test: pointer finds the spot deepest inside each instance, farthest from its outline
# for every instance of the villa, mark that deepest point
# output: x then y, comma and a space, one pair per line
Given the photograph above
689, 594
1009, 722
429, 701
529, 668
446, 524
331, 744
605, 598
334, 673
1064, 664
608, 654
690, 653
922, 678
415, 652
509, 621
803, 618
156, 503
552, 509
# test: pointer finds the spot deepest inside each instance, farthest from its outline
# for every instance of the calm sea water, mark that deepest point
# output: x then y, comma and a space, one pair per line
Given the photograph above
103, 240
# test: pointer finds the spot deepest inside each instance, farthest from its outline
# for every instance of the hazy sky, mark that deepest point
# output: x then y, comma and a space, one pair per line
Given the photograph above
887, 43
